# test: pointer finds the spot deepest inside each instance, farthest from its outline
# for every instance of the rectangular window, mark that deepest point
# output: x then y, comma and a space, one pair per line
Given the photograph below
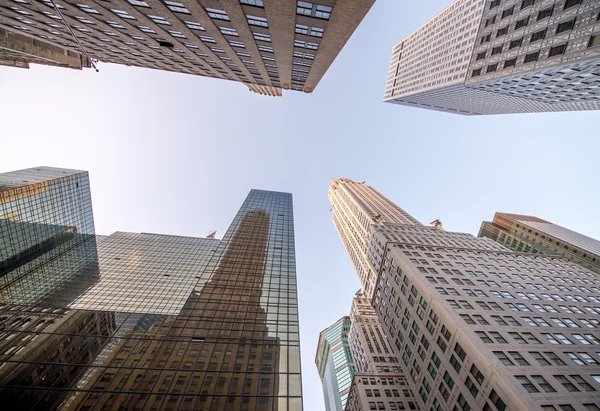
309, 31
257, 21
176, 7
527, 3
545, 13
522, 23
515, 43
557, 50
571, 3
257, 3
565, 26
531, 57
217, 14
313, 10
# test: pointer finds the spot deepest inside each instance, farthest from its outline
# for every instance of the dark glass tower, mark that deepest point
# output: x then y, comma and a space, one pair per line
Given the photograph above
131, 341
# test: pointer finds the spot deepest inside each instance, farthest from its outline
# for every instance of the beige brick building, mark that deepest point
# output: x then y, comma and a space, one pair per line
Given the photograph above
477, 326
268, 45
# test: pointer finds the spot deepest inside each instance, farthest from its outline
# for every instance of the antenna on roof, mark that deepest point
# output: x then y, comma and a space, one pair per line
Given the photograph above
212, 234
437, 225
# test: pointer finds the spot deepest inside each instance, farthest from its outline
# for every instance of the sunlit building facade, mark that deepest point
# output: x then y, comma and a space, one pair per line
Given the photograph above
501, 56
165, 322
534, 235
335, 365
477, 326
268, 45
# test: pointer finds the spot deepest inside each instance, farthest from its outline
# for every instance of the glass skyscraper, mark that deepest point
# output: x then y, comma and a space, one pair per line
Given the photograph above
158, 321
335, 364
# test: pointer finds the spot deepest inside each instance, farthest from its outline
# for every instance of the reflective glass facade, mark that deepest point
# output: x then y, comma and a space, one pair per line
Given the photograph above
335, 365
173, 323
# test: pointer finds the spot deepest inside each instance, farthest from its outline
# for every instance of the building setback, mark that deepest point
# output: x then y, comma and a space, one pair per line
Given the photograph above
335, 365
534, 235
501, 56
165, 322
268, 45
477, 326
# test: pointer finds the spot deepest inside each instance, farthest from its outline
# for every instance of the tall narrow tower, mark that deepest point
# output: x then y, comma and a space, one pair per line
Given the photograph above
357, 209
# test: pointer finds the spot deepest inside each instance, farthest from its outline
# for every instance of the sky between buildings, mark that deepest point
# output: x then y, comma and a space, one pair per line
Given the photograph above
177, 154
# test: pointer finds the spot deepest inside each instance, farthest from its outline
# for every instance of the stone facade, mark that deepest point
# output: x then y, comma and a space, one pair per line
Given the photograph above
525, 56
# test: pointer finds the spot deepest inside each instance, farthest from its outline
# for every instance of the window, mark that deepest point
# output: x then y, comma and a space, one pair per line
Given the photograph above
194, 26
515, 43
538, 35
239, 44
539, 358
262, 37
229, 31
486, 38
480, 56
565, 26
571, 3
257, 21
472, 387
557, 50
531, 57
522, 23
138, 3
490, 21
569, 386
528, 385
87, 9
494, 4
518, 358
176, 34
306, 45
508, 12
502, 31
527, 3
257, 3
484, 337
542, 383
217, 14
497, 50
496, 336
313, 10
545, 13
503, 358
176, 7
159, 20
309, 31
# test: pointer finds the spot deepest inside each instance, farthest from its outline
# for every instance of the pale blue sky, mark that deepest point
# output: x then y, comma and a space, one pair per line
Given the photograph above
177, 154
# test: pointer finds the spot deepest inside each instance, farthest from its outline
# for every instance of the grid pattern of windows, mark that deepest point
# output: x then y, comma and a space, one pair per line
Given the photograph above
151, 34
177, 322
463, 313
522, 59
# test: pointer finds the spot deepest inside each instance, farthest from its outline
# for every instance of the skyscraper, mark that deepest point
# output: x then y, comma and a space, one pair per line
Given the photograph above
534, 235
378, 375
268, 45
357, 210
477, 326
501, 56
170, 322
335, 364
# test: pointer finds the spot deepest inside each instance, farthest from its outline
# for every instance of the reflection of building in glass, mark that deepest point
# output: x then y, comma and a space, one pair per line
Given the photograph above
46, 348
334, 362
47, 243
147, 273
534, 235
179, 322
472, 324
